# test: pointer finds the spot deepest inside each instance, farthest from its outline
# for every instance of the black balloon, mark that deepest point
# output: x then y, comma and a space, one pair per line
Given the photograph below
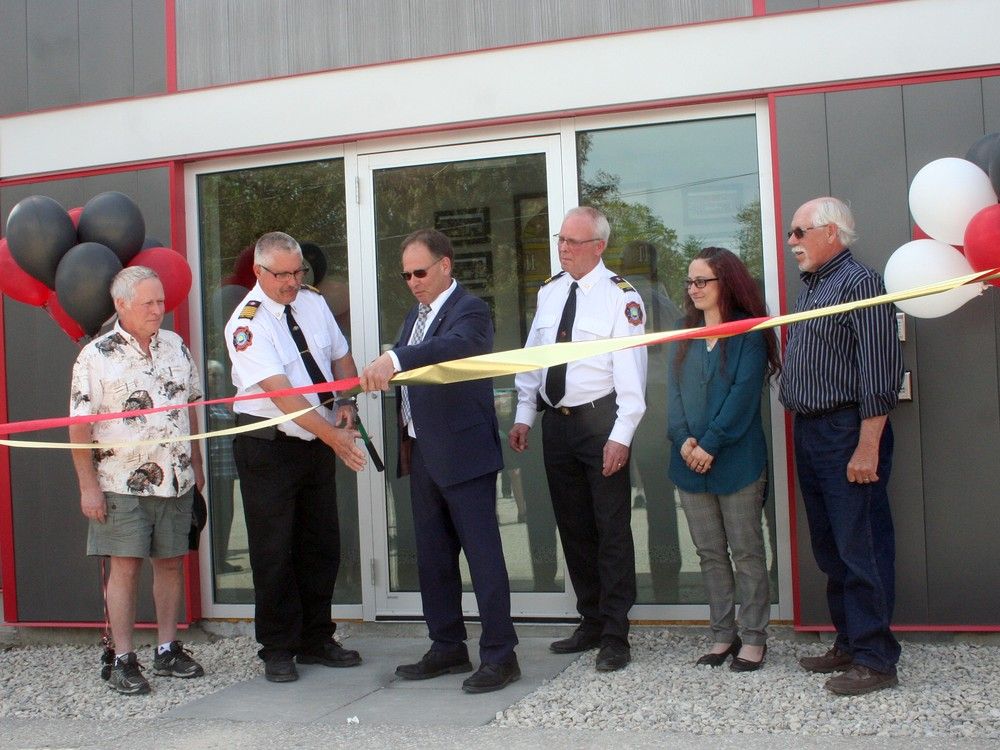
151, 242
994, 171
113, 220
983, 150
39, 233
83, 284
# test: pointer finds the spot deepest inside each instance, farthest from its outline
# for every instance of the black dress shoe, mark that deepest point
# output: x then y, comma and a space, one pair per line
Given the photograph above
435, 664
330, 654
280, 669
613, 657
490, 677
717, 660
581, 640
745, 665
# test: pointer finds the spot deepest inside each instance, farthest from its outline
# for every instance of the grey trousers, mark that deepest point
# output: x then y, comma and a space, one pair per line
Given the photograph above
720, 524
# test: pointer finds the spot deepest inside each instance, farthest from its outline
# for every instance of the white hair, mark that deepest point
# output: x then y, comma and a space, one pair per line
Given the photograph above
126, 280
601, 226
274, 242
838, 213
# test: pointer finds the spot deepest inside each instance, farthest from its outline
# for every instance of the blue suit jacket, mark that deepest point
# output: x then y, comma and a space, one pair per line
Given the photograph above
456, 424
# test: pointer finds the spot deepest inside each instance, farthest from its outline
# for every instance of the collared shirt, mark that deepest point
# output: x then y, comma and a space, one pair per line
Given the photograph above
113, 374
261, 346
603, 310
435, 306
844, 359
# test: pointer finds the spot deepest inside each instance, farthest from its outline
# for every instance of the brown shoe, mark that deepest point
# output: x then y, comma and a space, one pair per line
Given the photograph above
859, 680
833, 660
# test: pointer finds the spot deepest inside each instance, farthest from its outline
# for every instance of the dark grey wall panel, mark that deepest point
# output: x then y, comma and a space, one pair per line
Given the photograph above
55, 579
203, 42
13, 56
150, 48
225, 41
53, 53
991, 104
868, 168
106, 66
779, 6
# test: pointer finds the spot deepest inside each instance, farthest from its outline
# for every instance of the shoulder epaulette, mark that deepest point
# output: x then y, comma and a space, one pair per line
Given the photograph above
553, 278
310, 288
622, 283
249, 310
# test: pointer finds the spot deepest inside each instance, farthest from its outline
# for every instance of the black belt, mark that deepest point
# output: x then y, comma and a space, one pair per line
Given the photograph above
270, 432
828, 412
567, 411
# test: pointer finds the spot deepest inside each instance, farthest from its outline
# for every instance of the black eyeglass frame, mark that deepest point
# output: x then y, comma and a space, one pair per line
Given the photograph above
799, 232
420, 272
701, 282
286, 275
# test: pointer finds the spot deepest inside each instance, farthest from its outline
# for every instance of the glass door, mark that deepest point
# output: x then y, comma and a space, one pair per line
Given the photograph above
498, 202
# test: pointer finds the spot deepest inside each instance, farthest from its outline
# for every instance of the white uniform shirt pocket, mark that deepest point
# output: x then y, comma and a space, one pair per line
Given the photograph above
589, 328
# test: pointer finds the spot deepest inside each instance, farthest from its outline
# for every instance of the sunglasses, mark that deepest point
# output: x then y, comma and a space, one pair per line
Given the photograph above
420, 272
799, 232
700, 282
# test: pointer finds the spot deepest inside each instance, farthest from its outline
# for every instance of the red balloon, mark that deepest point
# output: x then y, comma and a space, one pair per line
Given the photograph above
173, 270
17, 284
920, 234
982, 240
62, 318
74, 214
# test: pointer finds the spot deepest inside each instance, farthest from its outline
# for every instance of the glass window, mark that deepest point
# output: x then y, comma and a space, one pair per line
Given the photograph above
305, 200
668, 191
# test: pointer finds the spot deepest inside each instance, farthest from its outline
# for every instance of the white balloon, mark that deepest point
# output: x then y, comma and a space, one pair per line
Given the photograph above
922, 262
946, 194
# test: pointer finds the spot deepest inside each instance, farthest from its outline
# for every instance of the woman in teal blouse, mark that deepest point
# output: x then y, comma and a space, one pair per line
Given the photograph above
719, 456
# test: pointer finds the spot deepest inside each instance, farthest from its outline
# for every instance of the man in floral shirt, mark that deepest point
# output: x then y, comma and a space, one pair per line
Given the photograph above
138, 497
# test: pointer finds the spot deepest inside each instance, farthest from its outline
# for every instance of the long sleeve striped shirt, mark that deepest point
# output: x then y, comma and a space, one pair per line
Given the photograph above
847, 359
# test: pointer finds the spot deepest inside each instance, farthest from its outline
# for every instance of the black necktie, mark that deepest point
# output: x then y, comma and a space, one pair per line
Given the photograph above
325, 397
555, 379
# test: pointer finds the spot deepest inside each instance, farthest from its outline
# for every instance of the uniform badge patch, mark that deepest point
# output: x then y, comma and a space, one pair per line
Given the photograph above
243, 337
249, 310
633, 313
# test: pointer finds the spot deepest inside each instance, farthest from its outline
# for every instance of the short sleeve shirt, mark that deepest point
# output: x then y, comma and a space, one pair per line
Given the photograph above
261, 346
112, 374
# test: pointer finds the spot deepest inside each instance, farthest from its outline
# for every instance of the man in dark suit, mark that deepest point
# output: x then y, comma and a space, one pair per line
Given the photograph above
449, 445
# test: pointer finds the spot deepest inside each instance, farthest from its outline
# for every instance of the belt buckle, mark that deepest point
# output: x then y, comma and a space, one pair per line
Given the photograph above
565, 410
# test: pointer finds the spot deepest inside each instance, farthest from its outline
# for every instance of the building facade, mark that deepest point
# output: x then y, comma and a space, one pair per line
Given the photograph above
349, 123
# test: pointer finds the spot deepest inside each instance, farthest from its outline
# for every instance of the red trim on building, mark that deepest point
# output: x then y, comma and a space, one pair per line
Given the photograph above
170, 43
8, 584
760, 7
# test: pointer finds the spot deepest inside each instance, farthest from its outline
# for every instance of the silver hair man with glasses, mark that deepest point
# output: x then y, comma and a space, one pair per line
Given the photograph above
281, 336
138, 499
592, 408
841, 378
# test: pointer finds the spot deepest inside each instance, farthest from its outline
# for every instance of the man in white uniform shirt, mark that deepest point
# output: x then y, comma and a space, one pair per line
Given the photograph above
282, 336
592, 408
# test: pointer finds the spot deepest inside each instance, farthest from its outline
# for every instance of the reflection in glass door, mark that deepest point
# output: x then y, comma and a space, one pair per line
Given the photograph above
494, 202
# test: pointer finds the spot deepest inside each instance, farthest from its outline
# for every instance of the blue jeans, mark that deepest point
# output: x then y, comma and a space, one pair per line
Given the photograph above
850, 526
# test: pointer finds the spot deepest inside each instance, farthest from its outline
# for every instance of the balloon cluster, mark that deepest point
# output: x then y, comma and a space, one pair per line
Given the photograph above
957, 232
64, 260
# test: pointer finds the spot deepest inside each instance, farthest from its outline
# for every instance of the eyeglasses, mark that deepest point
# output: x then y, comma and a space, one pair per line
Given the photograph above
700, 282
420, 272
799, 232
287, 275
560, 240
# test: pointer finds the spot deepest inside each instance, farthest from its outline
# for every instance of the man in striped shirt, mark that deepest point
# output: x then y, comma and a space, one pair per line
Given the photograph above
841, 378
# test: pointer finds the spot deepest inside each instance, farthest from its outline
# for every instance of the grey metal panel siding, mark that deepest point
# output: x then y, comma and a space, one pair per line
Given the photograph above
56, 582
53, 54
106, 67
13, 56
866, 146
225, 41
258, 37
149, 47
779, 6
203, 43
868, 167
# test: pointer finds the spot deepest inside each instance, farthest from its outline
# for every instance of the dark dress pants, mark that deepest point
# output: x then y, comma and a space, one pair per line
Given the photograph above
447, 520
850, 526
594, 514
290, 501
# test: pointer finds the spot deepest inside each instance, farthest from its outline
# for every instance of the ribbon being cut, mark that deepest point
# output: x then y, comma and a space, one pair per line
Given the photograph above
496, 364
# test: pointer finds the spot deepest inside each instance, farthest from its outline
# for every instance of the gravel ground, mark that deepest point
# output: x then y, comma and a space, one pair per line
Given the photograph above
946, 690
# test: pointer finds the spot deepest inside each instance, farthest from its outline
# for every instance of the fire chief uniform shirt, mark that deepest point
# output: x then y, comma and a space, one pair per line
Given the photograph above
112, 374
260, 345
